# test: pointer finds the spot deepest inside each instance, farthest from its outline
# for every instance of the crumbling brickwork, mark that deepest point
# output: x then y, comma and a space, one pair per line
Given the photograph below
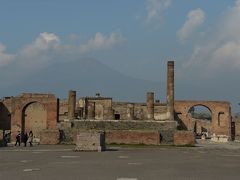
182, 138
221, 116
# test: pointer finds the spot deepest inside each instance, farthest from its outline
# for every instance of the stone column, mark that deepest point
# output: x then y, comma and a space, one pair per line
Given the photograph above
130, 111
71, 104
150, 105
170, 90
90, 110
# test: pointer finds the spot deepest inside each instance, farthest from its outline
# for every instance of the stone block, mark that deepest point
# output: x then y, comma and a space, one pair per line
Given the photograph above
49, 136
182, 138
220, 138
90, 141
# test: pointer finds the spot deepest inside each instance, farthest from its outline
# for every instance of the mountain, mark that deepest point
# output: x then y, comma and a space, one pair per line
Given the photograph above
87, 76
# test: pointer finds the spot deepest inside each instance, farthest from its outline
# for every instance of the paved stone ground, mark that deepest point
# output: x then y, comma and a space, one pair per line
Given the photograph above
208, 162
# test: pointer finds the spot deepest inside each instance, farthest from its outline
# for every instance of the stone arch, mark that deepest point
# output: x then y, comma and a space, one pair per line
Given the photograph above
21, 103
220, 124
201, 117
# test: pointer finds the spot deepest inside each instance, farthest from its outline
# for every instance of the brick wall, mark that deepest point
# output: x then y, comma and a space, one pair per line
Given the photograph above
133, 137
181, 138
124, 132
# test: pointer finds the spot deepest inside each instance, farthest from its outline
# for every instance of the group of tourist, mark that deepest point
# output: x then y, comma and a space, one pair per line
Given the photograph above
25, 138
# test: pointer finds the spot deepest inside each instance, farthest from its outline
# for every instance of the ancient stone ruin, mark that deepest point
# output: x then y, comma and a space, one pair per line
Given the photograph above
56, 120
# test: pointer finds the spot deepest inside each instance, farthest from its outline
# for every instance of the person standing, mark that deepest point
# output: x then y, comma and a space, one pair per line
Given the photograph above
25, 139
18, 138
30, 138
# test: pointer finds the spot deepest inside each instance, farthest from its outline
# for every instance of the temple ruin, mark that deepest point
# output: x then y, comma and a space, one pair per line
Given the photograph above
152, 122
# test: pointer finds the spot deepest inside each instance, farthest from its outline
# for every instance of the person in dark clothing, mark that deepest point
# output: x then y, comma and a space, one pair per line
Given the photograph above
18, 138
25, 139
5, 139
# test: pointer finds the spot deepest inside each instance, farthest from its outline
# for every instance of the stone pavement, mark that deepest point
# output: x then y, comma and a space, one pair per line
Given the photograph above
208, 162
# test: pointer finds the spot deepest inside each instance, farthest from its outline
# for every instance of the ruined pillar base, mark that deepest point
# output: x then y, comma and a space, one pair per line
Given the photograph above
90, 141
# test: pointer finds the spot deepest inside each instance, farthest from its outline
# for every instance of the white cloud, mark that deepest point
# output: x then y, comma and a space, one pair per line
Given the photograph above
227, 55
156, 8
194, 19
220, 50
47, 48
101, 42
5, 58
43, 42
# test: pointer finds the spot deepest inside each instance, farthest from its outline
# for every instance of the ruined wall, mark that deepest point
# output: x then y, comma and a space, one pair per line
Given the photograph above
63, 109
237, 129
98, 108
133, 137
30, 111
183, 138
139, 110
166, 128
221, 116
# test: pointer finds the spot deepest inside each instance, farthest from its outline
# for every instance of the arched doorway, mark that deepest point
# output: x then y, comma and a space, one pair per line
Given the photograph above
201, 117
34, 118
5, 118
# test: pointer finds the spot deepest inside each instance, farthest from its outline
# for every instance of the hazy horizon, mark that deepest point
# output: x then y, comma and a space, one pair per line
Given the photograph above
121, 48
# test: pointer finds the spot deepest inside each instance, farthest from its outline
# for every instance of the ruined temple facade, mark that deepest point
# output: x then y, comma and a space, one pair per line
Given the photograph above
45, 115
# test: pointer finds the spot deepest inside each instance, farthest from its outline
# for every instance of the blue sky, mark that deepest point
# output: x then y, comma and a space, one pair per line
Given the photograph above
134, 37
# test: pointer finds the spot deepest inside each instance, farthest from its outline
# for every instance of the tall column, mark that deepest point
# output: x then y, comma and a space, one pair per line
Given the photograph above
170, 90
150, 105
71, 104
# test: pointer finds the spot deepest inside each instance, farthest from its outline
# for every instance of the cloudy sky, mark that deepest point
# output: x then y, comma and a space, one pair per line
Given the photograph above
135, 38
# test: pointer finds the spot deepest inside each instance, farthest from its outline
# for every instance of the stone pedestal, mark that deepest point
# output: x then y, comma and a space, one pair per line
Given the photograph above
90, 141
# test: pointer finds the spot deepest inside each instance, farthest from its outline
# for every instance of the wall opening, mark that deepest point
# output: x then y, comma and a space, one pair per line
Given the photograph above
117, 116
34, 118
201, 117
5, 118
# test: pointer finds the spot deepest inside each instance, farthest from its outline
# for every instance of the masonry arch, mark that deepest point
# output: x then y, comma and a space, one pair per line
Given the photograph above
218, 125
201, 117
34, 118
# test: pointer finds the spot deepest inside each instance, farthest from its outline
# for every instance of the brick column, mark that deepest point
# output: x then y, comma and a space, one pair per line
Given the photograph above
71, 104
170, 90
150, 105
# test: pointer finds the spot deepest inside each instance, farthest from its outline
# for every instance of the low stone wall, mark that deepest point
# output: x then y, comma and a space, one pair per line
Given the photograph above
182, 138
124, 125
118, 131
49, 137
90, 141
133, 137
